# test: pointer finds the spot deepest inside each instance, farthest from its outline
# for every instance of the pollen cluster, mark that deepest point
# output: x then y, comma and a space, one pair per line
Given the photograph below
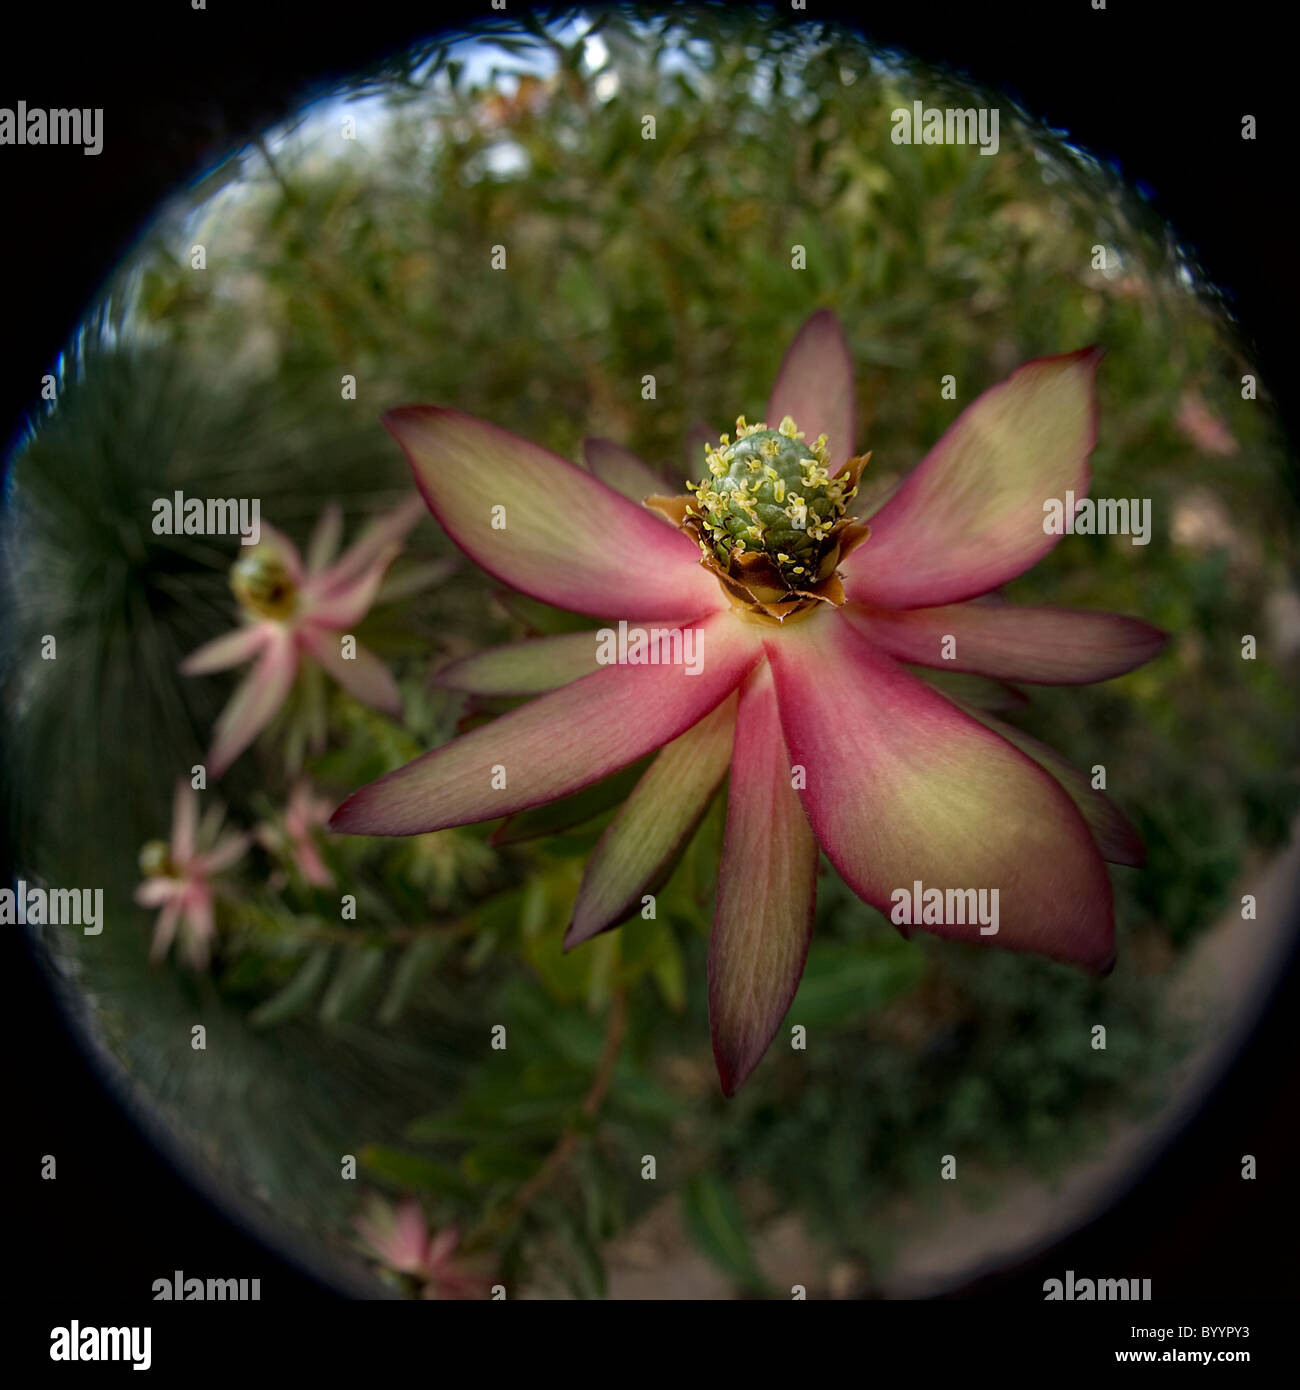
262, 584
769, 492
156, 860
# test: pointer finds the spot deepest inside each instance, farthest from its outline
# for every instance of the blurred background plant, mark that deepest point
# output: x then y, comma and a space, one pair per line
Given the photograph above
625, 256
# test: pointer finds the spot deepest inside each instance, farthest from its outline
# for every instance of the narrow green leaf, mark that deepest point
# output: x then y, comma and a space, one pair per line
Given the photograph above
352, 984
844, 981
411, 1171
540, 617
445, 1127
498, 1163
650, 947
416, 962
669, 970
297, 994
713, 1221
584, 1272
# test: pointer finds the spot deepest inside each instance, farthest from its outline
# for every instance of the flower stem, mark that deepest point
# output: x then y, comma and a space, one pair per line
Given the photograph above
555, 1161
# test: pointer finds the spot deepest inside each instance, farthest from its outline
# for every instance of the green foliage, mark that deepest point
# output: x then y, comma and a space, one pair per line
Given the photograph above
714, 1221
844, 981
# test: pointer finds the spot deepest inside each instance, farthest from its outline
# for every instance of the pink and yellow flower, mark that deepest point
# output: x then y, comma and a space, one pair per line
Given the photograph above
179, 878
809, 621
400, 1239
295, 608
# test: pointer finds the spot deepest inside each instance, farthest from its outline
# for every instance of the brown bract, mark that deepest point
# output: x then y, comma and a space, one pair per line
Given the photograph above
752, 580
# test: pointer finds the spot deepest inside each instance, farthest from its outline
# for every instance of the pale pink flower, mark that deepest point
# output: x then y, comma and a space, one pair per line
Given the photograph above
179, 879
294, 834
296, 607
1198, 423
400, 1238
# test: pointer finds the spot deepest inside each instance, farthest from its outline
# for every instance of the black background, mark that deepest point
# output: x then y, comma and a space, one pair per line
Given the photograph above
1160, 88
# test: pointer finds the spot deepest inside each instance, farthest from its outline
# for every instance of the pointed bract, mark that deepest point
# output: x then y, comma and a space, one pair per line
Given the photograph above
255, 703
543, 525
325, 538
185, 822
273, 537
385, 535
620, 469
339, 603
767, 883
651, 826
1116, 839
555, 744
523, 668
227, 851
230, 649
1014, 642
970, 516
815, 387
902, 787
362, 675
